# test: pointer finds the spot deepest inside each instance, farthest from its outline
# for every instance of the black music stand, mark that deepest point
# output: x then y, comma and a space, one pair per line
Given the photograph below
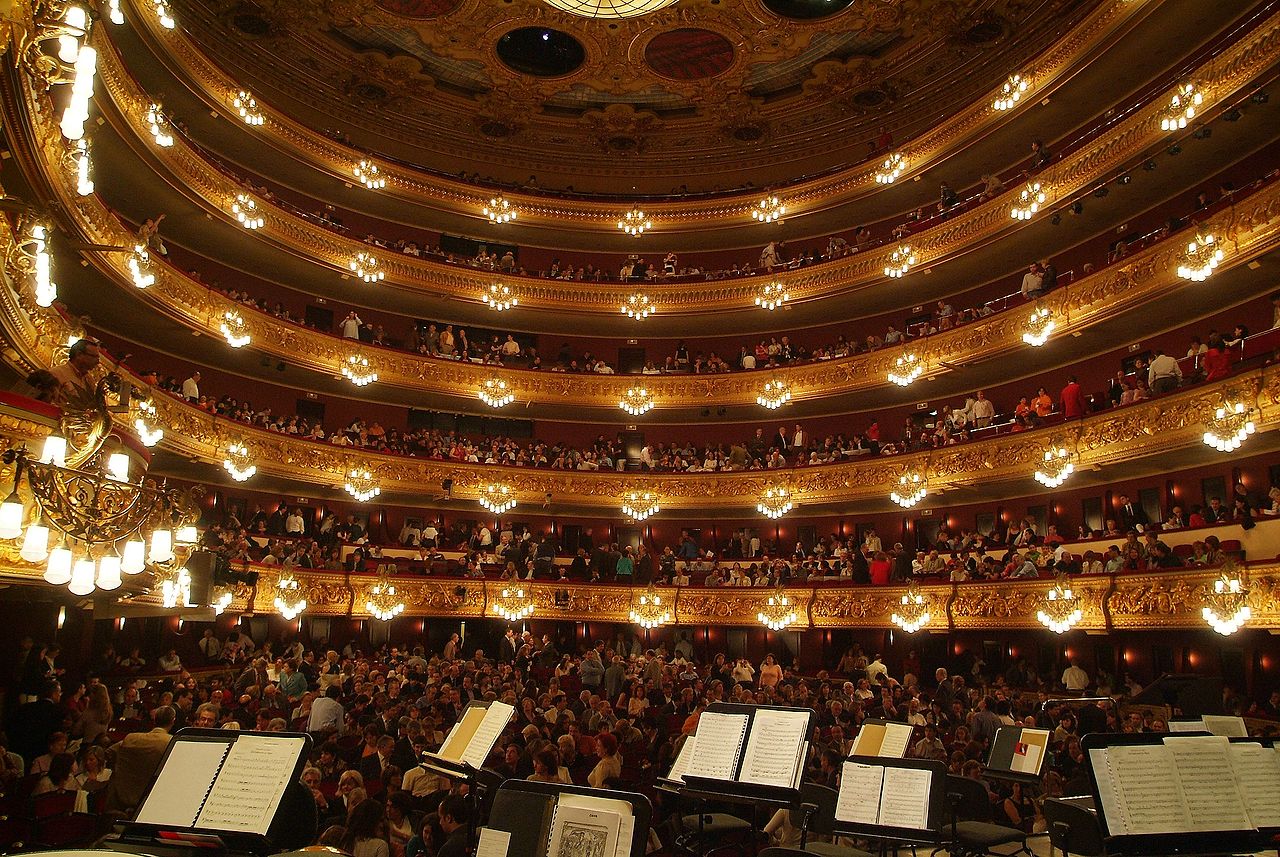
1012, 748
522, 808
935, 812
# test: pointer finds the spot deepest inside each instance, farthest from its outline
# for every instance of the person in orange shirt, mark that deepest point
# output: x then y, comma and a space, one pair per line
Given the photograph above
1042, 404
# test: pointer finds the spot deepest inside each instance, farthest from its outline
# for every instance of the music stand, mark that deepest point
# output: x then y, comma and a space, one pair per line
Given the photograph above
935, 810
518, 802
1018, 755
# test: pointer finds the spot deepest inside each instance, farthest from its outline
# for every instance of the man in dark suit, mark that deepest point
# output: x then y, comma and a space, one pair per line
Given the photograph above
454, 814
371, 766
1216, 513
509, 646
1131, 515
34, 722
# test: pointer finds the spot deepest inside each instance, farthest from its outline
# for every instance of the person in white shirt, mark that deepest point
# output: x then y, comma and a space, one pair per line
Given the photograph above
511, 348
351, 326
293, 524
191, 388
1032, 282
877, 667
429, 534
983, 411
1165, 374
327, 714
410, 534
1074, 678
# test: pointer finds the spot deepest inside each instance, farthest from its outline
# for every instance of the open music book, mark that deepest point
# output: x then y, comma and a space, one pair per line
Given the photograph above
1192, 784
1214, 724
472, 738
884, 796
232, 785
881, 738
1019, 749
579, 826
681, 765
765, 747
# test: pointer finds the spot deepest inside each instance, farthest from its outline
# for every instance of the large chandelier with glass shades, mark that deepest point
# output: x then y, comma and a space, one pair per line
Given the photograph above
891, 168
1031, 197
234, 329
649, 611
1011, 92
1056, 467
1229, 427
367, 267
778, 611
768, 210
383, 603
361, 484
289, 598
912, 613
358, 369
1060, 610
367, 173
499, 297
772, 295
498, 497
513, 604
1202, 256
140, 269
238, 462
1039, 327
640, 505
1226, 604
774, 394
245, 209
906, 369
775, 502
635, 223
636, 401
1181, 107
912, 488
900, 262
638, 306
500, 210
495, 393
146, 422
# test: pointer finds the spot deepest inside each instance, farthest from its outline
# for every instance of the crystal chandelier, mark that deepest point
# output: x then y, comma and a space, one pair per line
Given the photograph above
1039, 327
513, 605
609, 8
1010, 92
774, 395
246, 211
499, 210
912, 488
220, 599
891, 168
367, 267
775, 502
238, 462
768, 210
361, 484
777, 612
163, 15
34, 258
145, 423
160, 130
358, 370
913, 611
1229, 427
247, 107
635, 223
638, 306
140, 268
495, 393
77, 110
639, 505
900, 261
1181, 107
1226, 607
1029, 202
234, 329
72, 30
1055, 468
649, 611
289, 599
636, 401
906, 369
1060, 610
368, 174
1203, 254
772, 295
500, 297
498, 498
383, 603
84, 182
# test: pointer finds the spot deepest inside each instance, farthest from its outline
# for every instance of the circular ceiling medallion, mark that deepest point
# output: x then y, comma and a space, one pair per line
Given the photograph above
807, 10
609, 8
419, 8
689, 54
541, 52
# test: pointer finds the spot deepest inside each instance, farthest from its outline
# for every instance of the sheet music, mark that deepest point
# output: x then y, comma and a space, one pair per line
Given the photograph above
579, 831
1225, 725
455, 743
1257, 773
1212, 797
681, 764
904, 801
719, 745
1139, 789
496, 718
896, 738
175, 798
248, 789
773, 748
1187, 726
493, 843
859, 799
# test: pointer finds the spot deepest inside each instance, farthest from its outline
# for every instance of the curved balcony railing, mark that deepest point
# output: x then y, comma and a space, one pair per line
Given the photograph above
1220, 77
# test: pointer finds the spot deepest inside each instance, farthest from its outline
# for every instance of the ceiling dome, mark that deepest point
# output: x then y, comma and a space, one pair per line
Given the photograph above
610, 8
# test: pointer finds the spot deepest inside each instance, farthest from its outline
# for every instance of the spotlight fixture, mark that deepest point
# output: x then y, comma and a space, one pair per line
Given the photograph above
891, 168
1204, 132
1011, 92
636, 401
246, 211
499, 297
900, 262
912, 488
1029, 201
1149, 164
1125, 179
906, 369
234, 329
640, 505
368, 174
1056, 468
367, 267
361, 484
247, 107
774, 394
1101, 191
160, 130
772, 295
1229, 427
499, 498
1181, 107
1202, 256
1077, 207
775, 502
1056, 219
1232, 115
495, 393
499, 210
238, 462
1260, 97
768, 210
1174, 150
635, 223
358, 370
638, 306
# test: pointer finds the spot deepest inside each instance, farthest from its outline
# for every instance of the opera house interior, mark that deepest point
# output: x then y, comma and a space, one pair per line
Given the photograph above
578, 428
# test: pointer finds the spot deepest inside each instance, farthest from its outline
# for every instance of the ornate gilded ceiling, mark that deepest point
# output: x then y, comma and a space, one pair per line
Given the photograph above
704, 93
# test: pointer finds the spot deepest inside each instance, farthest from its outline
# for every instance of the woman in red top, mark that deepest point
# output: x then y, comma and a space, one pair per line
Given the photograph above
1216, 361
880, 568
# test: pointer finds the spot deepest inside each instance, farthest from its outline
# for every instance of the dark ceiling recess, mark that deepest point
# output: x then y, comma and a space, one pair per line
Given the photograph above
807, 10
419, 8
541, 51
689, 54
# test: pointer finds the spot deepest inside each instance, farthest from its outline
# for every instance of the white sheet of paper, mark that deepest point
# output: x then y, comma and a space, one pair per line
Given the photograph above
174, 800
1139, 789
896, 738
719, 745
626, 833
495, 720
623, 809
1225, 725
1213, 798
773, 748
681, 764
1187, 726
1257, 772
251, 783
904, 800
493, 843
859, 799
